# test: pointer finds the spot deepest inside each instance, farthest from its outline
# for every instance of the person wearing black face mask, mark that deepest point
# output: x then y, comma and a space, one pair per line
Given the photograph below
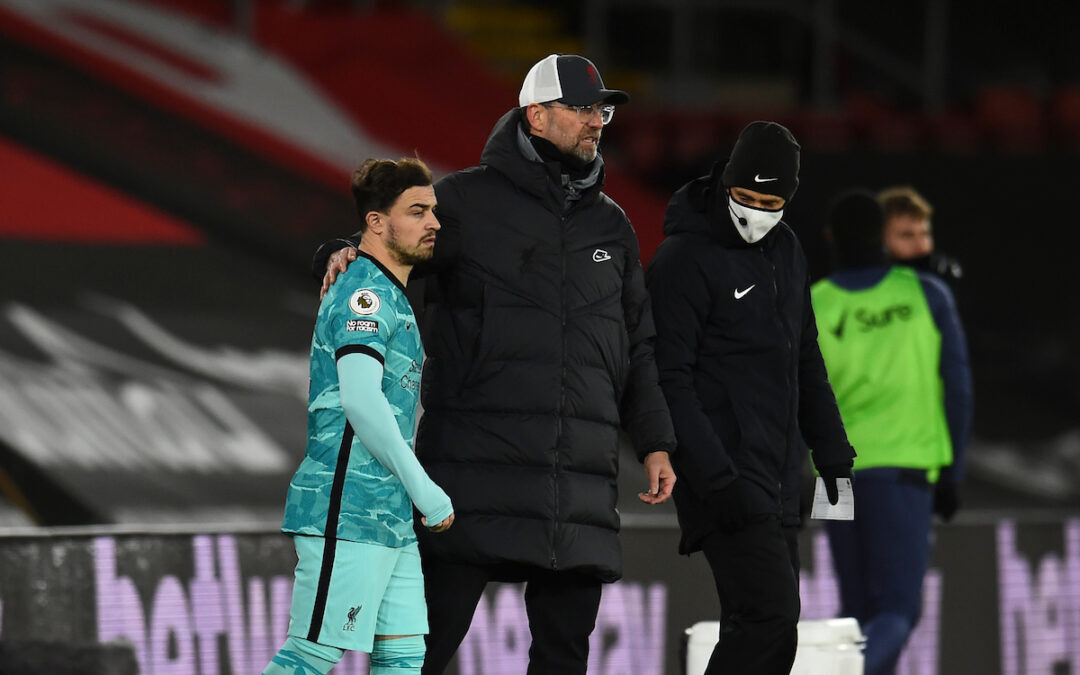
908, 236
739, 364
538, 335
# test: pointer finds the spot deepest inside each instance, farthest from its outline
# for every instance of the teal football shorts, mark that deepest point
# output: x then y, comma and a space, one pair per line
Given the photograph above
346, 592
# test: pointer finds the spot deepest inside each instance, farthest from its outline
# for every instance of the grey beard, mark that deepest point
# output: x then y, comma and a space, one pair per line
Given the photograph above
582, 156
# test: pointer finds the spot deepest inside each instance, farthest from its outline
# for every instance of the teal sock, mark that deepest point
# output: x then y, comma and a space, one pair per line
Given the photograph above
302, 657
400, 656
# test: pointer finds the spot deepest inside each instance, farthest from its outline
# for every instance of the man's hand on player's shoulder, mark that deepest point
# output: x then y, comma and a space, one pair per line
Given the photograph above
337, 264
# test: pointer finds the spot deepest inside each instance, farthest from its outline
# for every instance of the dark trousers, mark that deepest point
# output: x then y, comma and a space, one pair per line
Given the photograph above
561, 606
759, 600
791, 537
880, 559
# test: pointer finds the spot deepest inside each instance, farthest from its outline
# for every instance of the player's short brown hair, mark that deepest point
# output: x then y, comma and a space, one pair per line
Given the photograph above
377, 183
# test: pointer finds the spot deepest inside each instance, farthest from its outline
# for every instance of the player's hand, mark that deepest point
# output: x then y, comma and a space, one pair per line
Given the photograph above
337, 264
441, 527
661, 478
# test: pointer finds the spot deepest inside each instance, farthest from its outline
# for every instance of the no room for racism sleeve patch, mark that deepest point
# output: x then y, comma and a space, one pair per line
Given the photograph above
362, 325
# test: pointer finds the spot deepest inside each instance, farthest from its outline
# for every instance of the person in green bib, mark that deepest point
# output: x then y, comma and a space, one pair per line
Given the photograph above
897, 359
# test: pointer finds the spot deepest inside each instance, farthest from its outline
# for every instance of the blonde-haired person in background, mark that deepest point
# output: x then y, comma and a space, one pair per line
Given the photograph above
908, 235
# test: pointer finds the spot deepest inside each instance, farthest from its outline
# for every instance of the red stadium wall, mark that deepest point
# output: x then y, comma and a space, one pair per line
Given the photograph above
406, 81
44, 200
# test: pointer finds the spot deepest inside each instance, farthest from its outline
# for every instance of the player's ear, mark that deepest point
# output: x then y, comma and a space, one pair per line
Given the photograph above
374, 222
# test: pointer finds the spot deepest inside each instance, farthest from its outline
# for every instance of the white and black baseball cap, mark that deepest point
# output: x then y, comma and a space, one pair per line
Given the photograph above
569, 79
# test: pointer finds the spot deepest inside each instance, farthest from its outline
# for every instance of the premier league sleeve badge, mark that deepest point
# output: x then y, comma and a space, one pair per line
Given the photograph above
365, 302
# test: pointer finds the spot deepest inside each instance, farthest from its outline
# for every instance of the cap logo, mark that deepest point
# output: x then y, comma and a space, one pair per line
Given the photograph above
759, 179
569, 79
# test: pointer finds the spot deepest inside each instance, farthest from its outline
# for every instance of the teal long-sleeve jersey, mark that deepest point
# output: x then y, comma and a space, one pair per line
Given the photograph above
359, 477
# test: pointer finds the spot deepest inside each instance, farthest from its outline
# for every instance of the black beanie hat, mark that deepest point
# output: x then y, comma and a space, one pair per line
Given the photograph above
856, 222
765, 159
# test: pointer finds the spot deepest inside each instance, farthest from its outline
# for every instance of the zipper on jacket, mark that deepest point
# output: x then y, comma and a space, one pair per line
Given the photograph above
557, 467
792, 382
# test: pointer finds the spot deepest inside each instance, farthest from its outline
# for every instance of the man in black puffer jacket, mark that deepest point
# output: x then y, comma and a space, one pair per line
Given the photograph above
744, 379
539, 339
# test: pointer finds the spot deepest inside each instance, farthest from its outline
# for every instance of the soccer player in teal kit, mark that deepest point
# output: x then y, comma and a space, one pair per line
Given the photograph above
349, 508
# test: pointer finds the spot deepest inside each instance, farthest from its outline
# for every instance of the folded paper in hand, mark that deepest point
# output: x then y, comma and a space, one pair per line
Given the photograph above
843, 509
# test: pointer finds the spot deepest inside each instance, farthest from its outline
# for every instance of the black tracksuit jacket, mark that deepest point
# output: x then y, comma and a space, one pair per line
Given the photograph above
739, 361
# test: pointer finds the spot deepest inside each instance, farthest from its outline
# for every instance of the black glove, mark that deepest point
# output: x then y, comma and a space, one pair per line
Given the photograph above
830, 474
730, 507
946, 499
946, 266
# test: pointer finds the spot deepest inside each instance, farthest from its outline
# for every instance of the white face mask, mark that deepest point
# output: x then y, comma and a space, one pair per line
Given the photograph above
752, 223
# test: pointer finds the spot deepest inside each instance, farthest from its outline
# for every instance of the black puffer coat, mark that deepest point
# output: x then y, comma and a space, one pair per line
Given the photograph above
539, 338
738, 359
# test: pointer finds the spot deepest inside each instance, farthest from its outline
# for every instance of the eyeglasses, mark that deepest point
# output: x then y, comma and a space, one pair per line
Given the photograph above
586, 112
